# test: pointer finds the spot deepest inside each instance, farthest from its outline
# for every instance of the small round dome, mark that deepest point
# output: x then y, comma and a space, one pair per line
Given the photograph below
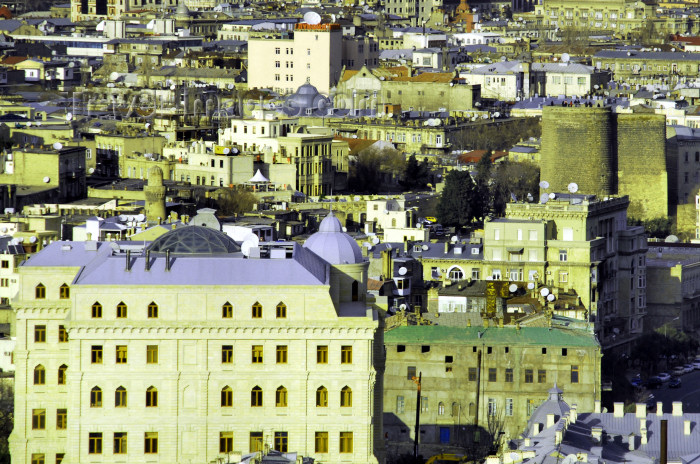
334, 245
194, 240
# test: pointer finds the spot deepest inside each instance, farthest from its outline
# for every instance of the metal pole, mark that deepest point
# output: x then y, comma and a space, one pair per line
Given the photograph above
418, 406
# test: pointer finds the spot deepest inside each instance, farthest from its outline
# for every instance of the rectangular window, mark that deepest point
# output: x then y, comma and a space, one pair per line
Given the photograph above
38, 458
346, 442
150, 443
281, 354
255, 442
39, 334
59, 456
574, 374
492, 374
563, 255
400, 405
322, 354
227, 354
119, 442
541, 376
497, 234
62, 334
491, 411
411, 372
563, 277
529, 376
532, 235
568, 235
509, 406
225, 442
257, 354
281, 441
95, 443
5, 264
96, 354
321, 442
121, 354
509, 375
346, 355
61, 419
38, 419
472, 374
152, 354
424, 404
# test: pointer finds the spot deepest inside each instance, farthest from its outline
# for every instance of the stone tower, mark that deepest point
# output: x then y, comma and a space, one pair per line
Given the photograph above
155, 195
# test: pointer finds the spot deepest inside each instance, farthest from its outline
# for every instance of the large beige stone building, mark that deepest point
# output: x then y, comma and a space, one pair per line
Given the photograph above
187, 351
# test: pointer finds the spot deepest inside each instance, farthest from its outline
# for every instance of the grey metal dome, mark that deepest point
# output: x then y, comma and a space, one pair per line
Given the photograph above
194, 240
332, 244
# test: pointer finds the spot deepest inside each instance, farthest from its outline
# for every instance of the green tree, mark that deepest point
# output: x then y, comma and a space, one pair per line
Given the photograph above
234, 200
6, 418
376, 170
416, 175
456, 206
518, 179
483, 178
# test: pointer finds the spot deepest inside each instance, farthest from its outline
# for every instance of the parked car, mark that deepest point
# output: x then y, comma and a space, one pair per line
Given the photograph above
678, 370
636, 381
688, 368
653, 382
675, 382
651, 402
664, 376
696, 363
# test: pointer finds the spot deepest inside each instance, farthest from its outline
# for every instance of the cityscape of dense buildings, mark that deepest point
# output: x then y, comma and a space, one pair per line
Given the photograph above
371, 232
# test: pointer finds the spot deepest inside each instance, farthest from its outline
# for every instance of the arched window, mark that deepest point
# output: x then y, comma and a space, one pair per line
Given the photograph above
96, 397
455, 409
456, 274
226, 397
120, 397
355, 291
40, 292
281, 310
227, 310
441, 408
346, 397
281, 397
151, 397
322, 397
39, 375
472, 409
256, 310
96, 310
121, 310
256, 396
62, 374
64, 292
152, 310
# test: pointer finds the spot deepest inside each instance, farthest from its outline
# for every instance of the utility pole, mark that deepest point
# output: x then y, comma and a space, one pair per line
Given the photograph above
418, 406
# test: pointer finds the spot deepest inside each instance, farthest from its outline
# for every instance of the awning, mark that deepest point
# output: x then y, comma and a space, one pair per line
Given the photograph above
514, 249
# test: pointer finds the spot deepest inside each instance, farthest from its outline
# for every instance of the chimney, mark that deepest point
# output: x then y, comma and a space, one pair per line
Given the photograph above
148, 260
630, 441
447, 247
643, 433
659, 408
526, 442
128, 260
686, 427
405, 244
550, 420
641, 411
558, 436
597, 434
573, 415
677, 408
596, 406
663, 458
618, 409
167, 260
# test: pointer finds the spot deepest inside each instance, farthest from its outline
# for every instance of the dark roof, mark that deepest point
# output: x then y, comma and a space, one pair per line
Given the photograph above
194, 240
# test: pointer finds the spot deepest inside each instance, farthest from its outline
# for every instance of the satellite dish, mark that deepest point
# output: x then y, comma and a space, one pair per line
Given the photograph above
367, 245
113, 76
47, 179
403, 307
57, 146
32, 239
20, 239
671, 239
425, 248
172, 87
231, 86
251, 241
454, 239
565, 57
29, 124
552, 196
402, 270
544, 198
544, 292
91, 171
357, 198
530, 285
312, 18
573, 187
234, 150
69, 116
141, 217
544, 184
4, 229
550, 297
513, 288
148, 124
375, 240
227, 150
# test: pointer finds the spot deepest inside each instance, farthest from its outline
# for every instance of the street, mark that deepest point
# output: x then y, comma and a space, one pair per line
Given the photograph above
689, 393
